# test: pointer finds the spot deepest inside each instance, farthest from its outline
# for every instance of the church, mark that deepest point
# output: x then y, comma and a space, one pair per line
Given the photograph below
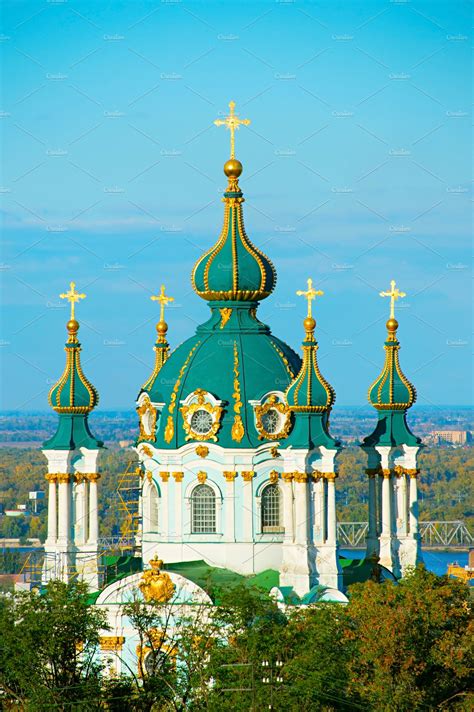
238, 467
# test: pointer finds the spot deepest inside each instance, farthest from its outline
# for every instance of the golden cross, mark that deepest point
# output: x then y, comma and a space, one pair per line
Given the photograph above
163, 301
394, 294
310, 294
72, 296
232, 122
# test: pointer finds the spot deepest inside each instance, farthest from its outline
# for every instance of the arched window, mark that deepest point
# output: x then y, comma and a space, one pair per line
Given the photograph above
150, 508
271, 509
203, 510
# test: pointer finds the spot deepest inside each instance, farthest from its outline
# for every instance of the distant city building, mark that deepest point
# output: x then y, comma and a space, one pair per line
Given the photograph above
454, 437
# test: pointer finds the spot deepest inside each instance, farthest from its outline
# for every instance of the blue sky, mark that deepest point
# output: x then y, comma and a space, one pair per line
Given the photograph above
356, 171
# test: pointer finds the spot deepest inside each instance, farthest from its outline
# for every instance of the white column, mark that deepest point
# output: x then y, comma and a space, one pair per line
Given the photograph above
248, 505
386, 505
413, 505
402, 527
301, 508
229, 512
331, 518
52, 510
80, 511
93, 508
288, 522
64, 509
178, 505
372, 507
164, 526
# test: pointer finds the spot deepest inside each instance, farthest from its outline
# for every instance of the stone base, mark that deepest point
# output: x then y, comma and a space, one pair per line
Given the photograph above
298, 567
329, 571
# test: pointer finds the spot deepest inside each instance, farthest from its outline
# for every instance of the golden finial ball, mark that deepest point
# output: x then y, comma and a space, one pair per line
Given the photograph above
233, 168
309, 323
162, 328
392, 325
72, 326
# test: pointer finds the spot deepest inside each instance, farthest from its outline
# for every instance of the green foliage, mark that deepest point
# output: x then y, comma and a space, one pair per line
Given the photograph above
48, 643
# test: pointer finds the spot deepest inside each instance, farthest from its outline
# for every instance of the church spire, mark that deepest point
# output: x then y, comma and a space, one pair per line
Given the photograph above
233, 269
392, 394
310, 392
73, 396
162, 347
391, 390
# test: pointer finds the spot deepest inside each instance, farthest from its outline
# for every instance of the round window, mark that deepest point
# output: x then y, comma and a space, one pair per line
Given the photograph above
201, 422
271, 421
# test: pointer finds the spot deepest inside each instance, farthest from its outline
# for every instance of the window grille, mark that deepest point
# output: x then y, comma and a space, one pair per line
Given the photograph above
203, 510
271, 509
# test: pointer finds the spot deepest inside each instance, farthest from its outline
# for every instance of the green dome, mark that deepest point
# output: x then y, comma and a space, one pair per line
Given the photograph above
391, 390
73, 393
73, 397
233, 268
233, 358
310, 392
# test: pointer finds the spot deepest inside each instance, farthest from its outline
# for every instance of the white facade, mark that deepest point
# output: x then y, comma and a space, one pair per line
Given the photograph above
393, 533
71, 547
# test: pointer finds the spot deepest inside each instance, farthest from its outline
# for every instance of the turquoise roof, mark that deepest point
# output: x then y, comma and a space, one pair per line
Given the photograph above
73, 397
233, 268
392, 395
208, 361
310, 392
391, 390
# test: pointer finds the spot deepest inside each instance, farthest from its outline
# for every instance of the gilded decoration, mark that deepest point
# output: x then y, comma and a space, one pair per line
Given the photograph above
147, 420
284, 359
287, 476
273, 477
330, 476
272, 403
248, 475
164, 476
201, 403
112, 642
146, 450
274, 452
51, 477
149, 476
237, 431
178, 476
202, 451
202, 477
92, 476
64, 478
226, 313
169, 429
229, 476
156, 585
300, 477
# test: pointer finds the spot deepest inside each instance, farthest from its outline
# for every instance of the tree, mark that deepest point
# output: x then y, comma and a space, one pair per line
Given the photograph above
410, 643
48, 646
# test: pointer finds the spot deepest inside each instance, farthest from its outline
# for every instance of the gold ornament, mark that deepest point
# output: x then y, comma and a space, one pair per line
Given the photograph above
178, 476
394, 294
187, 411
226, 313
114, 643
202, 451
300, 477
232, 122
164, 476
248, 475
272, 403
156, 585
169, 429
273, 477
237, 431
287, 476
202, 477
147, 420
72, 296
146, 450
229, 476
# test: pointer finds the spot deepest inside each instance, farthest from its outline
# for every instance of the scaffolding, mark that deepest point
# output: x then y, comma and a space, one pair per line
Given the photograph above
129, 506
72, 565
